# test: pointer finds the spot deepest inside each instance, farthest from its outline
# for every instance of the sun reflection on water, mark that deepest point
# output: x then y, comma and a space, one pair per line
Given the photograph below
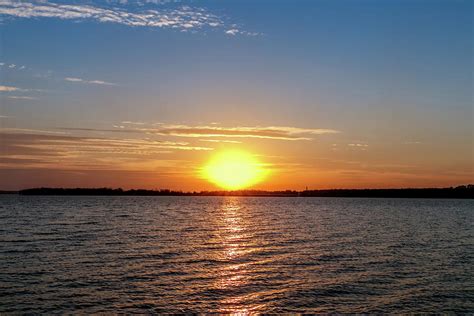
238, 243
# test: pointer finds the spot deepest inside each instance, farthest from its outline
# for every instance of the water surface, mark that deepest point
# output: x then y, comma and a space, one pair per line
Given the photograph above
235, 254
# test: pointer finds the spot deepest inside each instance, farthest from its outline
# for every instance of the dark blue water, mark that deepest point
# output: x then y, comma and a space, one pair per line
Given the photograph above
230, 254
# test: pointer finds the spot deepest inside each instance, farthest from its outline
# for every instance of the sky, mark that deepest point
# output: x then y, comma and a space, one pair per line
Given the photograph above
324, 93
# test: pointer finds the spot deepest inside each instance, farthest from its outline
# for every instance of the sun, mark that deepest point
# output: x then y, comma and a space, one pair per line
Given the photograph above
234, 170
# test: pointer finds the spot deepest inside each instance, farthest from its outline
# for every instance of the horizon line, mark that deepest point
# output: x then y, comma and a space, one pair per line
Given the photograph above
469, 185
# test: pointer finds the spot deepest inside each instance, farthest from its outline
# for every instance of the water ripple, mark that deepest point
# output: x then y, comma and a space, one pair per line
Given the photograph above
235, 255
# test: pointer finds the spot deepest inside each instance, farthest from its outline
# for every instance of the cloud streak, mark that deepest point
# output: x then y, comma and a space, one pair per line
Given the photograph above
357, 145
16, 89
270, 132
220, 141
40, 149
204, 131
80, 80
183, 18
10, 89
30, 148
21, 97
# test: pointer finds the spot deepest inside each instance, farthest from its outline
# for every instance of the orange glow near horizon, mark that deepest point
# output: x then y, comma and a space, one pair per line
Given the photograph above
234, 170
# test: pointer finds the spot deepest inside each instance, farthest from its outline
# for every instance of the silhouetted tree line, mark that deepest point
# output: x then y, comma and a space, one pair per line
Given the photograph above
8, 192
460, 192
98, 191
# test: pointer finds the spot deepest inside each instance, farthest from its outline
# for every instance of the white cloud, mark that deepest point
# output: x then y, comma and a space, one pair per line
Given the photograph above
101, 82
133, 123
80, 80
21, 97
232, 32
358, 145
183, 17
73, 79
9, 89
235, 31
142, 2
16, 89
11, 65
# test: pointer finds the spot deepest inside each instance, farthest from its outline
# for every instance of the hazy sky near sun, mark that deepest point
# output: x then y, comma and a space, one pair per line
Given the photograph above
141, 93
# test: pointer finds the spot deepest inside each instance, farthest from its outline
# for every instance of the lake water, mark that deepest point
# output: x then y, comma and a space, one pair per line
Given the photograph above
235, 254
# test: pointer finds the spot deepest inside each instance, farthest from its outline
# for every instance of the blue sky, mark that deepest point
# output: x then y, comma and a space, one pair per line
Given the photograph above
379, 74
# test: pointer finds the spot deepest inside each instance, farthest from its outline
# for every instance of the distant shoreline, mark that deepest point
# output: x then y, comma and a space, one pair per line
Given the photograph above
460, 192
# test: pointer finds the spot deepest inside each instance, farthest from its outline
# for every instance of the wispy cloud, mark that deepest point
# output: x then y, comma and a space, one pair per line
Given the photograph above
213, 131
142, 2
232, 32
358, 145
134, 123
236, 31
28, 131
103, 130
21, 97
45, 75
182, 18
44, 149
16, 89
220, 141
12, 66
10, 89
269, 132
80, 80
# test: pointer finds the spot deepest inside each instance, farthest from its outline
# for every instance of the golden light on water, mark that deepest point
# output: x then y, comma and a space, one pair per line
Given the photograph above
237, 244
234, 170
